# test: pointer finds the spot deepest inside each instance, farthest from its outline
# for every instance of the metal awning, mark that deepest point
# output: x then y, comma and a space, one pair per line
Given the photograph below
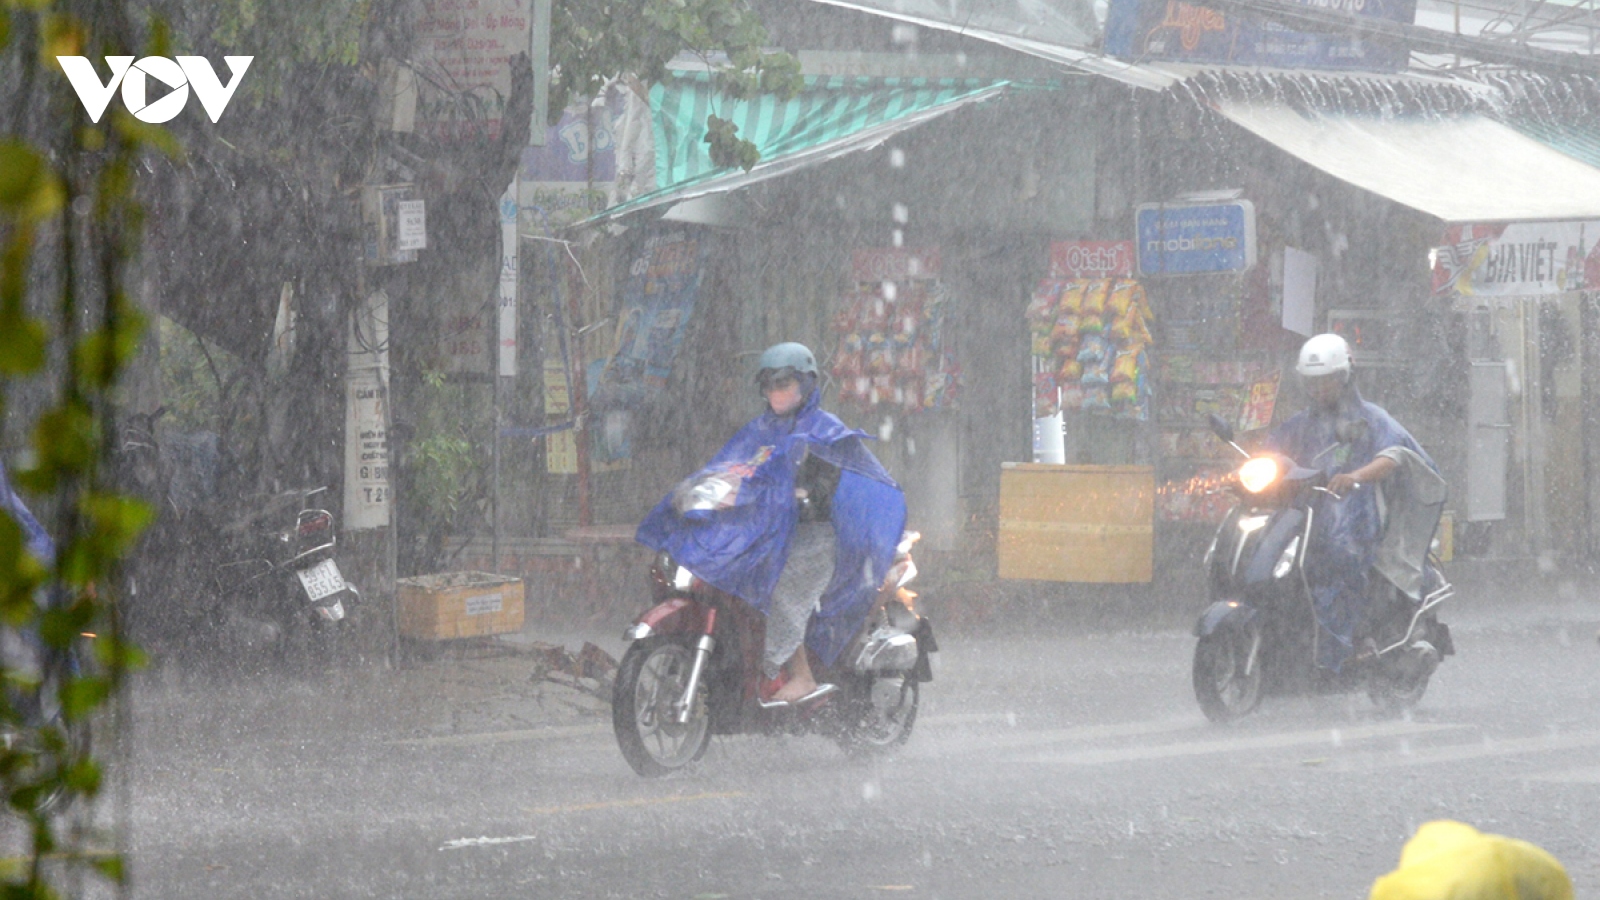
1460, 169
831, 117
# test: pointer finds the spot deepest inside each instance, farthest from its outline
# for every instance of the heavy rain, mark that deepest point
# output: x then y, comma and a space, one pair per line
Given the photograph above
799, 448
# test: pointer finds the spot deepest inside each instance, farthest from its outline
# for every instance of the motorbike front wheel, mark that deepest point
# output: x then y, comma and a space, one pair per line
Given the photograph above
651, 681
883, 718
1227, 672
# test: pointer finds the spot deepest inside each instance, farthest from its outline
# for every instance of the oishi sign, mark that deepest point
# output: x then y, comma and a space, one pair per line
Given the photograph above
178, 74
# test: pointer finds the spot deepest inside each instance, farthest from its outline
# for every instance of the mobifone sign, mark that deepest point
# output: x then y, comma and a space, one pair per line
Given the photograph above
133, 78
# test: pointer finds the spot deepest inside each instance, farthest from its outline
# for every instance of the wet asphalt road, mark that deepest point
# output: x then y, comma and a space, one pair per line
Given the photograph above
1044, 765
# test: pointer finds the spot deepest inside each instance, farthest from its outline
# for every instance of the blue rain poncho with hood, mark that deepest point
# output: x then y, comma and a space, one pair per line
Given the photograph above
741, 547
1345, 537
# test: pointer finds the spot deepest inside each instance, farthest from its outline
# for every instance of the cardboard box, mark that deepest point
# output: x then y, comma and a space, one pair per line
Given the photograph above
1077, 523
459, 604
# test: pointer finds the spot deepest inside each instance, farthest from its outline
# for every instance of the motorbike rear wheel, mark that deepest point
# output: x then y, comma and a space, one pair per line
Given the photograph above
882, 719
651, 680
1226, 682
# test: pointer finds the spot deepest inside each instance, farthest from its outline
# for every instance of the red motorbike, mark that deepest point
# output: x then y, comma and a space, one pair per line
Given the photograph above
693, 669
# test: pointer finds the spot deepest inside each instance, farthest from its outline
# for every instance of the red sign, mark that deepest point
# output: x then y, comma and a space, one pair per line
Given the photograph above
894, 264
1091, 259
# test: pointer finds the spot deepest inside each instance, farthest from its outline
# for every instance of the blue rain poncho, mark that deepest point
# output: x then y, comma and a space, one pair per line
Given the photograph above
1345, 537
741, 547
34, 537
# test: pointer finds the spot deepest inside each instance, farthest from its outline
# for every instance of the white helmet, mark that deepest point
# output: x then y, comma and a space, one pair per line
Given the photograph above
1325, 354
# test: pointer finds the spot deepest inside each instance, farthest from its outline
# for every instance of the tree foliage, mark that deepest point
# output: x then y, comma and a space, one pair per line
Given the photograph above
69, 224
594, 41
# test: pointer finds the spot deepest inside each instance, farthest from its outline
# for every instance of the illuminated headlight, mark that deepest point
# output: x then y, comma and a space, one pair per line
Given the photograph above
1286, 559
1250, 524
1258, 474
682, 579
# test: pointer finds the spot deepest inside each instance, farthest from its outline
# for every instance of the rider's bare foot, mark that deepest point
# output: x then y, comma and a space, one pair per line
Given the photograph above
795, 689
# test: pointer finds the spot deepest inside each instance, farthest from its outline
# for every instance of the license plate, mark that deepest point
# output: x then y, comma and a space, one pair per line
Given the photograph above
321, 580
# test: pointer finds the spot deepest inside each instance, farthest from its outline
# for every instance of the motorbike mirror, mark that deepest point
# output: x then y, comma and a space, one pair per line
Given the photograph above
1221, 428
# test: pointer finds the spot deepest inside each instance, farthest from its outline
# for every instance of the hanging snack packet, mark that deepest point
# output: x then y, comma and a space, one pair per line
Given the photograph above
1066, 329
1042, 308
1126, 366
1094, 298
1072, 297
1096, 398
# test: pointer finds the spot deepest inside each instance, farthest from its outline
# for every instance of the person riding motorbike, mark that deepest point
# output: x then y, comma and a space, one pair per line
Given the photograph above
799, 520
1359, 445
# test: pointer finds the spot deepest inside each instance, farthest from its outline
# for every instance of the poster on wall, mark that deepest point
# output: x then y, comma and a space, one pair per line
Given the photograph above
893, 351
1517, 260
655, 305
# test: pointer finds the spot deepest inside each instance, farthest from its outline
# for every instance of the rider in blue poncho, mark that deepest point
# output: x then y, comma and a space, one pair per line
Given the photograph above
1354, 442
799, 520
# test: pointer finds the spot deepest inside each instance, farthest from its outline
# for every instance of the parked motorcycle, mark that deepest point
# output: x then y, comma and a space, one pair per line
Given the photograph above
216, 575
1260, 633
693, 669
291, 583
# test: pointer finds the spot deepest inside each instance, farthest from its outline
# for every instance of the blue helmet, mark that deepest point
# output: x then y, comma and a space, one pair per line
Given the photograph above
789, 360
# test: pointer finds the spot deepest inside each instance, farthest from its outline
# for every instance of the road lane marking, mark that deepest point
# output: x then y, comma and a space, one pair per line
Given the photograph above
548, 732
1462, 753
487, 841
636, 801
1011, 738
1327, 736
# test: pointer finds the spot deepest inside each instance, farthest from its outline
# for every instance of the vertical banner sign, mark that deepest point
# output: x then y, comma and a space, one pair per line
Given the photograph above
561, 448
366, 429
508, 281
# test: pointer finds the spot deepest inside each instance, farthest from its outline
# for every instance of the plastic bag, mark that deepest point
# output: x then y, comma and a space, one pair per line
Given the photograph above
1094, 297
1453, 860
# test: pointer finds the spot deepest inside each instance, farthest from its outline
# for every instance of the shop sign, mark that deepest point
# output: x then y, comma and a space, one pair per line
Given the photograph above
1517, 260
894, 264
1188, 239
1091, 259
1171, 30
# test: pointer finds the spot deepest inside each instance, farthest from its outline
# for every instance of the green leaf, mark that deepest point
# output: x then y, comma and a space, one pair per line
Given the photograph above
28, 187
22, 344
80, 697
112, 868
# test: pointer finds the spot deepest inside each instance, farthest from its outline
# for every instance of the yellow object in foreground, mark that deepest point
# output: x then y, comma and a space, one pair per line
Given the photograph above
1448, 860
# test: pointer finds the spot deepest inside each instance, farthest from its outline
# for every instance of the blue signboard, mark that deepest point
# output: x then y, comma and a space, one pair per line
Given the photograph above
1174, 31
1188, 239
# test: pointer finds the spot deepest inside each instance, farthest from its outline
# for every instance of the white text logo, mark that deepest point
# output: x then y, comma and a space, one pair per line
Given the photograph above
179, 75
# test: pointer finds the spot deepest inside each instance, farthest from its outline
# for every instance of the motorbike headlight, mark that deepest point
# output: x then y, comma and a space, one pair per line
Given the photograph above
1286, 558
1258, 474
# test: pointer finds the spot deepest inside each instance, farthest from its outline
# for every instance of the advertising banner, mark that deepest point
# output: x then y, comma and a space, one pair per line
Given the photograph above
1187, 239
893, 264
1091, 259
1174, 31
1517, 260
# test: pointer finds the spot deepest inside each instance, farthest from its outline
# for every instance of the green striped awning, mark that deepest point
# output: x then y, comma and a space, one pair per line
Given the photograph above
1577, 139
830, 116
